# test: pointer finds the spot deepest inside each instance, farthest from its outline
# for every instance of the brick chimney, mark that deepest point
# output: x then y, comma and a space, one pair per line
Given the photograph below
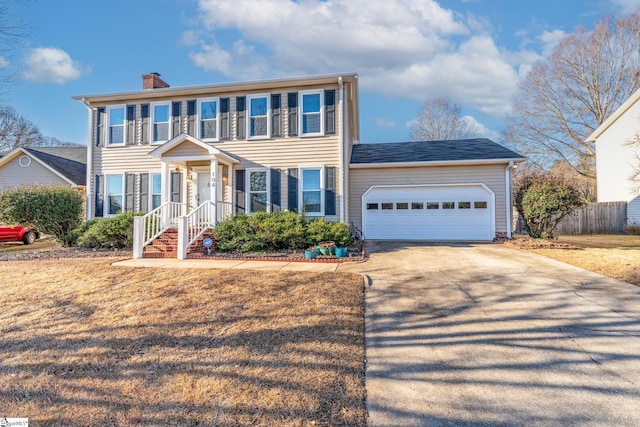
152, 81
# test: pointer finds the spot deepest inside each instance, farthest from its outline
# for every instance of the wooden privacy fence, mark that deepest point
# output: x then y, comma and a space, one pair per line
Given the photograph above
596, 218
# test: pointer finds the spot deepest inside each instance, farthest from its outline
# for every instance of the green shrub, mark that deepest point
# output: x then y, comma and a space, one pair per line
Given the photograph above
277, 231
320, 230
108, 233
543, 201
50, 210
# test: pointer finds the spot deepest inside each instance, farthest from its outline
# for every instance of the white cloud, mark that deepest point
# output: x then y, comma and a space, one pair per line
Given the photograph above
4, 62
480, 129
408, 48
626, 6
550, 40
51, 65
384, 123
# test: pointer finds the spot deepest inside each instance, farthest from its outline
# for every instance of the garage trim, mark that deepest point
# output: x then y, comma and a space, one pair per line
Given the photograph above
490, 193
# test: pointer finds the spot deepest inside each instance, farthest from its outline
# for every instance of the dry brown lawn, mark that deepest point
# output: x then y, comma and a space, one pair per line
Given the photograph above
610, 255
83, 343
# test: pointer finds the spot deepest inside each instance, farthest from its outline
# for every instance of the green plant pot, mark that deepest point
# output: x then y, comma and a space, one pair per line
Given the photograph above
310, 254
341, 252
324, 250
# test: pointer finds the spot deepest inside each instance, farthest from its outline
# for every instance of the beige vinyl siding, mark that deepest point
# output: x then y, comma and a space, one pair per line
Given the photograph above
14, 175
493, 176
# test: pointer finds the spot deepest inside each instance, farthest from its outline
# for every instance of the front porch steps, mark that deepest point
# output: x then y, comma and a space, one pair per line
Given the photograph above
166, 245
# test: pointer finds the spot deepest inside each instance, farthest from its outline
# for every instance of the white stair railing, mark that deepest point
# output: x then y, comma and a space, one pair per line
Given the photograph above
148, 227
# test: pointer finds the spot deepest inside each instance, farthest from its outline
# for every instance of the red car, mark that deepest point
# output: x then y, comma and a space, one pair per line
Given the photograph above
16, 233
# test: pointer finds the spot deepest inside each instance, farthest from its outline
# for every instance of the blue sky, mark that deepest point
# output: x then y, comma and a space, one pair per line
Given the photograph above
473, 52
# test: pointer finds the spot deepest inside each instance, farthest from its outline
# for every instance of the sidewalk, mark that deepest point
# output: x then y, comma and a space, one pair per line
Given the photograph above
318, 267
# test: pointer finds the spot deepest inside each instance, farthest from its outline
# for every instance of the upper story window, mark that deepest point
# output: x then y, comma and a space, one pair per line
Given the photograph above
258, 125
117, 131
160, 122
208, 119
311, 109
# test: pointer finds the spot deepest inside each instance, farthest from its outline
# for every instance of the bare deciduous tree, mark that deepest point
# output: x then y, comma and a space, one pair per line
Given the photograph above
567, 95
439, 120
12, 32
17, 131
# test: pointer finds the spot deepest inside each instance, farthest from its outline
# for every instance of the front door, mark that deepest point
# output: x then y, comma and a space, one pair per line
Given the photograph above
203, 192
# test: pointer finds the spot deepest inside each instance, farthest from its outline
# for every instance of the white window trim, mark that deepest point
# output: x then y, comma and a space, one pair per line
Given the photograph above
248, 105
105, 202
150, 193
247, 186
152, 121
301, 115
124, 126
322, 190
198, 122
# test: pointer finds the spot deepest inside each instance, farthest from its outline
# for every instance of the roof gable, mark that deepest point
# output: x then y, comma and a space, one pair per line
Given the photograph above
68, 163
478, 150
614, 117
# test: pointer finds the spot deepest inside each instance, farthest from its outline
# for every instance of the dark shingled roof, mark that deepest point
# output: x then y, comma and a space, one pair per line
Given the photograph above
67, 161
432, 151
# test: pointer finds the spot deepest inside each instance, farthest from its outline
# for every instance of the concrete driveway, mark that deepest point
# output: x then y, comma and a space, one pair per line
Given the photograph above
481, 334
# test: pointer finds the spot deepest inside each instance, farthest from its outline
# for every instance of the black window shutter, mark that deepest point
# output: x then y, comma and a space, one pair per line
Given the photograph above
292, 100
100, 119
329, 112
144, 192
330, 191
176, 178
225, 123
99, 196
191, 118
241, 124
129, 189
292, 190
240, 194
275, 190
276, 116
131, 124
176, 113
144, 118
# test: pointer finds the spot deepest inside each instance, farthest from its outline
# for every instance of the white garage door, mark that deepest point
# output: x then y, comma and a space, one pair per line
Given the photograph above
445, 212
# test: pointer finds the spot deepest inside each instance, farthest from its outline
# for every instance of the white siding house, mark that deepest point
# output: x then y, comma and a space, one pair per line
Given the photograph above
616, 158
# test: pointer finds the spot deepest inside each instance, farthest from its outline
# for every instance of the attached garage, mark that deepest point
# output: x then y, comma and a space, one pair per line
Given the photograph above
436, 190
429, 212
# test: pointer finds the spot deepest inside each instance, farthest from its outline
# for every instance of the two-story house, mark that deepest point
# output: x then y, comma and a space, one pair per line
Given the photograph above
195, 155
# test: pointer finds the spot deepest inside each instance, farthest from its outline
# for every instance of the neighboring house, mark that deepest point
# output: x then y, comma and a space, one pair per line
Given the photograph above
217, 150
616, 159
65, 166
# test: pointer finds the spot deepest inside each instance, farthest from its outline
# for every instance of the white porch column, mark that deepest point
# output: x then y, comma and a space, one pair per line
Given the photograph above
213, 189
165, 183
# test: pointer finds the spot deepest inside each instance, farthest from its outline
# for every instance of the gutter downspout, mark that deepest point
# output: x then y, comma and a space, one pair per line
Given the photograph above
88, 192
507, 177
343, 189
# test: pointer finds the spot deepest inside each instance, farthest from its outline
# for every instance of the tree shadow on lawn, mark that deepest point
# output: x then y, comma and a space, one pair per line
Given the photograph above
289, 353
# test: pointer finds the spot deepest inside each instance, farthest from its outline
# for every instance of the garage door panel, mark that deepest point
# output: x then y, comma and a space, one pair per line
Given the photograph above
410, 216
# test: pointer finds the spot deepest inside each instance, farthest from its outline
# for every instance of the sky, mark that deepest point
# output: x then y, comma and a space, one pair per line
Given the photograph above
472, 52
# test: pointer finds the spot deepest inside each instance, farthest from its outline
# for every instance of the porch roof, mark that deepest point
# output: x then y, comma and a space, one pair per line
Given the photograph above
210, 150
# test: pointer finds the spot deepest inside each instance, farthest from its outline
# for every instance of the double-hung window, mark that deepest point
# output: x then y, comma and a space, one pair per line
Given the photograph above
117, 129
208, 119
115, 192
311, 117
156, 190
311, 192
160, 122
258, 194
258, 125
